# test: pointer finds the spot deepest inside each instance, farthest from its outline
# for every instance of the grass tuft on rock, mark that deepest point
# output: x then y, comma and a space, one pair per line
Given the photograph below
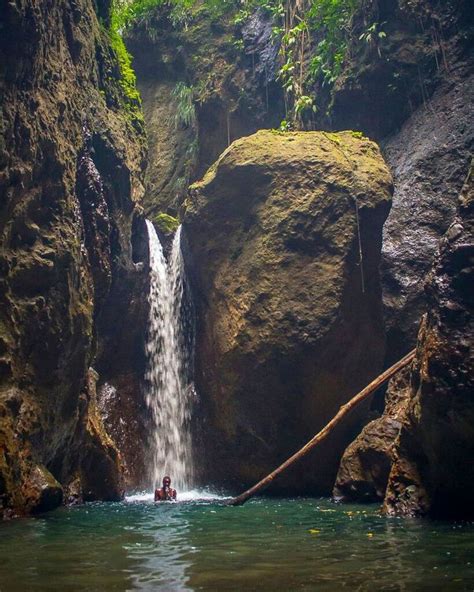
165, 223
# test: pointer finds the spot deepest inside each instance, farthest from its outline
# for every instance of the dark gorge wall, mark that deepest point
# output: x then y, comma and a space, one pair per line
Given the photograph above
417, 456
72, 261
412, 90
432, 470
426, 79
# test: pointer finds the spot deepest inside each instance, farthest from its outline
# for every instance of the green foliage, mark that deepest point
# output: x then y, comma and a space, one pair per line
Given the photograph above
285, 126
246, 8
181, 12
373, 34
304, 103
127, 81
313, 35
332, 21
166, 223
185, 109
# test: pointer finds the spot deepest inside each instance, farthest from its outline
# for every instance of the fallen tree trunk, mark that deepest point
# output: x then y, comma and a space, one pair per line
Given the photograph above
320, 436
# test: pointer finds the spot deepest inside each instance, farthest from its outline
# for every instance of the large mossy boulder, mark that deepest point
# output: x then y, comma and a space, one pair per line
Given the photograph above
285, 234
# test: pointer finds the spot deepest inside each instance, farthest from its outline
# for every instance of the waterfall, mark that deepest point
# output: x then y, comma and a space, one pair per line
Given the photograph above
169, 387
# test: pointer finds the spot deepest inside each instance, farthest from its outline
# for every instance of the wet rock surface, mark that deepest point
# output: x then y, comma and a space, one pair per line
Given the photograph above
412, 90
433, 471
285, 333
71, 157
429, 158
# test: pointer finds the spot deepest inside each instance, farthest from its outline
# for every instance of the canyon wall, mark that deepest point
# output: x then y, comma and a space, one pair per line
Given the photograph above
416, 457
72, 259
432, 470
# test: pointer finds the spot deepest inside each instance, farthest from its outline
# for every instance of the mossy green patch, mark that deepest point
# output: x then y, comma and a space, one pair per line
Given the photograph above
165, 223
128, 81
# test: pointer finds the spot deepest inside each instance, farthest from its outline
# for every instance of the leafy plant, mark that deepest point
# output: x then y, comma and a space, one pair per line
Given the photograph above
304, 103
185, 109
373, 34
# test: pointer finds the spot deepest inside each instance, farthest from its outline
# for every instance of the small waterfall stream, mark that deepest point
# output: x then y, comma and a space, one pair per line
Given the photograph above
170, 390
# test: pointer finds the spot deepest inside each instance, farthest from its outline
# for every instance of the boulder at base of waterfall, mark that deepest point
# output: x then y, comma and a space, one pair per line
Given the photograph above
289, 318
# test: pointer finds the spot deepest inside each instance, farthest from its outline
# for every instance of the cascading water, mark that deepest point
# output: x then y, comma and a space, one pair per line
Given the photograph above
170, 390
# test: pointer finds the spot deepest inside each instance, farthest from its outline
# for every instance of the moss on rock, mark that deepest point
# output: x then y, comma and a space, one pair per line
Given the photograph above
165, 223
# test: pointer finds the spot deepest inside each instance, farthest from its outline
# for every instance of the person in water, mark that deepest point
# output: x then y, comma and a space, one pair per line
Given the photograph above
165, 493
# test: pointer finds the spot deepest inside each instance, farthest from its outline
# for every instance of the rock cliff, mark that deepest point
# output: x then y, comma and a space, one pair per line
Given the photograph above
203, 85
412, 91
72, 261
417, 456
289, 320
432, 470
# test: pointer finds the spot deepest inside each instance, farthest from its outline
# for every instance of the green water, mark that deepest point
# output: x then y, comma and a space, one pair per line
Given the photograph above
266, 545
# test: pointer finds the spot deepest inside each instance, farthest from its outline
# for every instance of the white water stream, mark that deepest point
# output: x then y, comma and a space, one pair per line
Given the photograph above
170, 392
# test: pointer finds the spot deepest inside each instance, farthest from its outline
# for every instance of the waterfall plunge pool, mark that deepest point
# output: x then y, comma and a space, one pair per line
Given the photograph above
200, 544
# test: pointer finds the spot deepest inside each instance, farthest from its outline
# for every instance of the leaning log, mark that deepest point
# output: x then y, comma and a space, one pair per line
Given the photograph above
320, 436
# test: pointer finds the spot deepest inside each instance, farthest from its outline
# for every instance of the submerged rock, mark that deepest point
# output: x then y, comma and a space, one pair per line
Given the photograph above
289, 321
433, 470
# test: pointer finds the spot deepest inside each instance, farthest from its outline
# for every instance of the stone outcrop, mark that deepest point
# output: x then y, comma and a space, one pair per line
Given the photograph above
433, 470
366, 463
285, 332
71, 158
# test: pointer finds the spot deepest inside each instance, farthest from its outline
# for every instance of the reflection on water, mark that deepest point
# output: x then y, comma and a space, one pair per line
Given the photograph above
201, 544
